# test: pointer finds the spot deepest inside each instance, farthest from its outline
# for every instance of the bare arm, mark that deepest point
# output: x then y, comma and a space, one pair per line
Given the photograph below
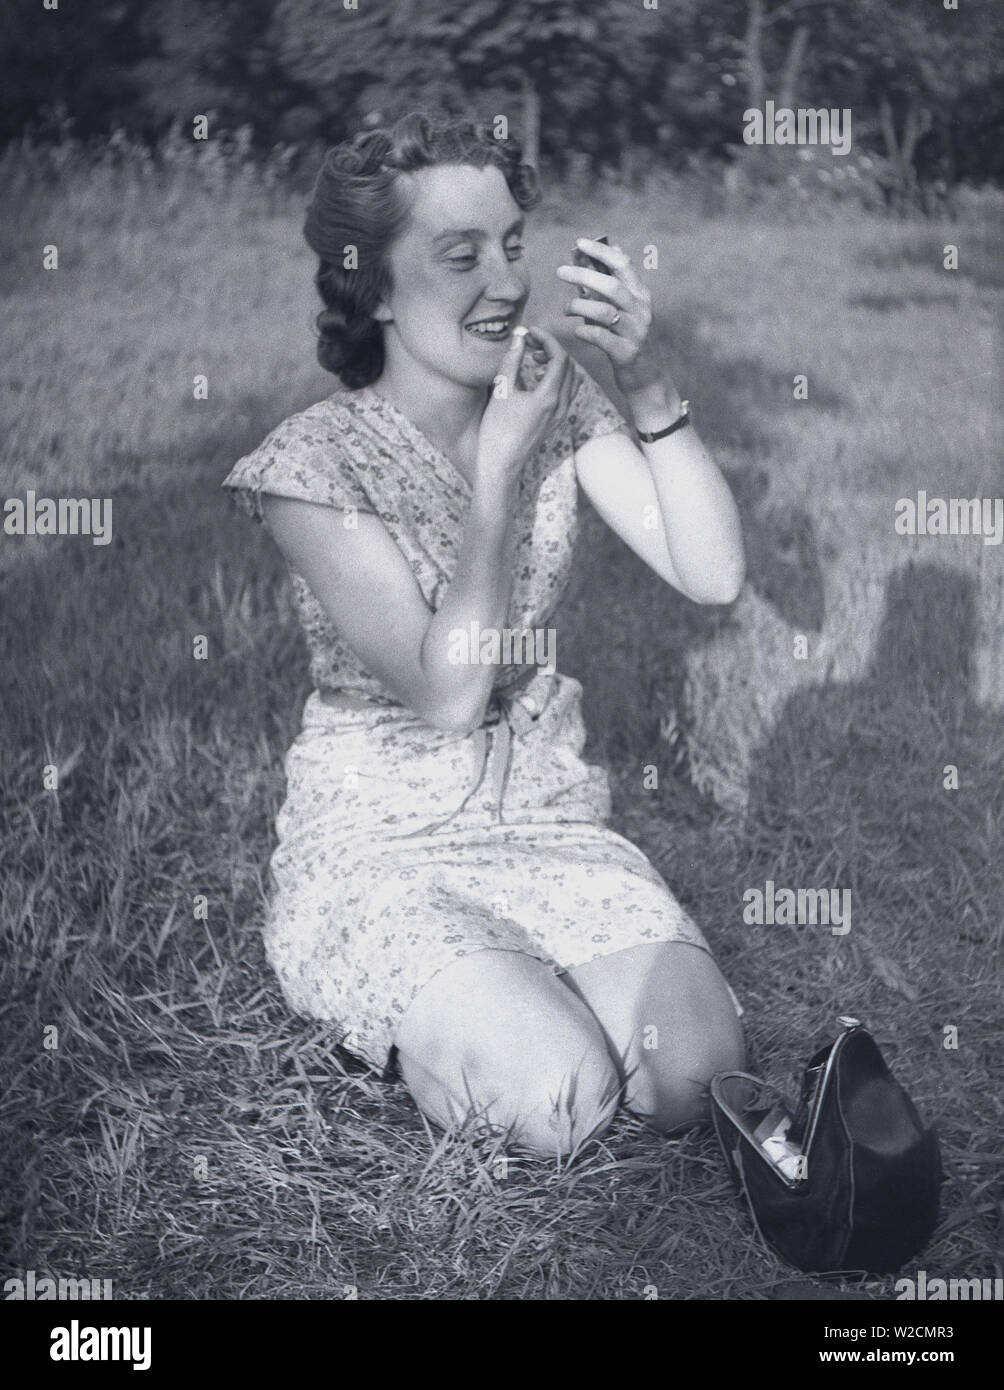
369, 593
669, 502
696, 542
367, 589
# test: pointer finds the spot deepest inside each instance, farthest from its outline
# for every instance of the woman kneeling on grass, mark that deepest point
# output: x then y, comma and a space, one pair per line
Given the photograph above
445, 885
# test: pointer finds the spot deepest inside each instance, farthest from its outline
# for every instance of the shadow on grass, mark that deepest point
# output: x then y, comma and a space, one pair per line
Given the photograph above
835, 746
893, 787
624, 633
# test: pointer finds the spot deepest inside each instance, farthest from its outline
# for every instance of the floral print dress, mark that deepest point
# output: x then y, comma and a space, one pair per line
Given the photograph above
402, 847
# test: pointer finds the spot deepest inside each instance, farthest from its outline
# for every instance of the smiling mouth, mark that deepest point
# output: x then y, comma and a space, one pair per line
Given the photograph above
494, 330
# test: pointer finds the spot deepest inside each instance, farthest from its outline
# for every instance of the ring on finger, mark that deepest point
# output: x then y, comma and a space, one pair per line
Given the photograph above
615, 320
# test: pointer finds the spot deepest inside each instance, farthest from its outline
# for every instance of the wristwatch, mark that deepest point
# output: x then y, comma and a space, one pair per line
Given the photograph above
678, 424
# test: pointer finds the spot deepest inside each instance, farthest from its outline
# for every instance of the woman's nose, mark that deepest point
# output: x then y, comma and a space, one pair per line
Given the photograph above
507, 279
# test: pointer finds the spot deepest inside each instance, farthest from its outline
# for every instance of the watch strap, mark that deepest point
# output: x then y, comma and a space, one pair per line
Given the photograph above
678, 424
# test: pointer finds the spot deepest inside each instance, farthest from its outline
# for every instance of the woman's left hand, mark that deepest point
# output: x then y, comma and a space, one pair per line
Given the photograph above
619, 318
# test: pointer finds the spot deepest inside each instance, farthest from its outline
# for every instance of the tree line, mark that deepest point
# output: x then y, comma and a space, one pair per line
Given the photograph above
616, 83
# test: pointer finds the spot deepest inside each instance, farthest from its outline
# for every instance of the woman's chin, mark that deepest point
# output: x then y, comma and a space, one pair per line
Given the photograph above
491, 355
482, 368
477, 365
492, 352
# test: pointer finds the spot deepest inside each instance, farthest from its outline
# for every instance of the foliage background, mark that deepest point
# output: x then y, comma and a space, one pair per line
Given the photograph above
610, 82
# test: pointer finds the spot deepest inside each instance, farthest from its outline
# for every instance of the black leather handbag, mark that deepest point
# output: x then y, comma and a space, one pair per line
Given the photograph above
850, 1181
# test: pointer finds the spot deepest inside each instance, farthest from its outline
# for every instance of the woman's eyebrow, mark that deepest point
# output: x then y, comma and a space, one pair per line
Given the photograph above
475, 232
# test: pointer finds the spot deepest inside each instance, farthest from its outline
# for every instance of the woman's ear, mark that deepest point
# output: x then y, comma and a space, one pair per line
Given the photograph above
382, 314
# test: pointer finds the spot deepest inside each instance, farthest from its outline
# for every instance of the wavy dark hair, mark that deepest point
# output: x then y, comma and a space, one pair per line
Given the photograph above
356, 202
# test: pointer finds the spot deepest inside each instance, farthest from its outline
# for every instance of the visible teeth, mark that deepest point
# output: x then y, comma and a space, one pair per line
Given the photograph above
490, 326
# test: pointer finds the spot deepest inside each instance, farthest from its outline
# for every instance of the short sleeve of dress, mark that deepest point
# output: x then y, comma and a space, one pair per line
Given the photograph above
305, 457
591, 412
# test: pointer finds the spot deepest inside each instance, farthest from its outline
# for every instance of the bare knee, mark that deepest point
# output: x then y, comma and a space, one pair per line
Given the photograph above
547, 1106
566, 1103
671, 1091
498, 1043
675, 1025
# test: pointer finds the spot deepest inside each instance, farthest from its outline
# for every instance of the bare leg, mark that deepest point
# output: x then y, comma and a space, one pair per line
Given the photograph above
669, 1020
497, 1034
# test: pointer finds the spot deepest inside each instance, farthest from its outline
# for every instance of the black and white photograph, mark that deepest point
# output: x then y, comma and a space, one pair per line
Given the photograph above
502, 685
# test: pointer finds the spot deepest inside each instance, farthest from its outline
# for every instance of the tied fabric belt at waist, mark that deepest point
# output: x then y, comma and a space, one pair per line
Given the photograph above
509, 713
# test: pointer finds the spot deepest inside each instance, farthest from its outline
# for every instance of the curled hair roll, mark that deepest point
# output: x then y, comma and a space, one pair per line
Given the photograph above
349, 343
357, 210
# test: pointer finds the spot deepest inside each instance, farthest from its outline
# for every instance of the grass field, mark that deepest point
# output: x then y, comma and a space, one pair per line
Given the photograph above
186, 1136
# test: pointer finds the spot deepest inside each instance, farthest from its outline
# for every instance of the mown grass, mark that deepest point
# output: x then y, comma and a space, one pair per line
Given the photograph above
188, 1137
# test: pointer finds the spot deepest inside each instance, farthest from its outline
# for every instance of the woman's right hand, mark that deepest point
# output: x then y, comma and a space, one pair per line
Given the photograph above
515, 421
